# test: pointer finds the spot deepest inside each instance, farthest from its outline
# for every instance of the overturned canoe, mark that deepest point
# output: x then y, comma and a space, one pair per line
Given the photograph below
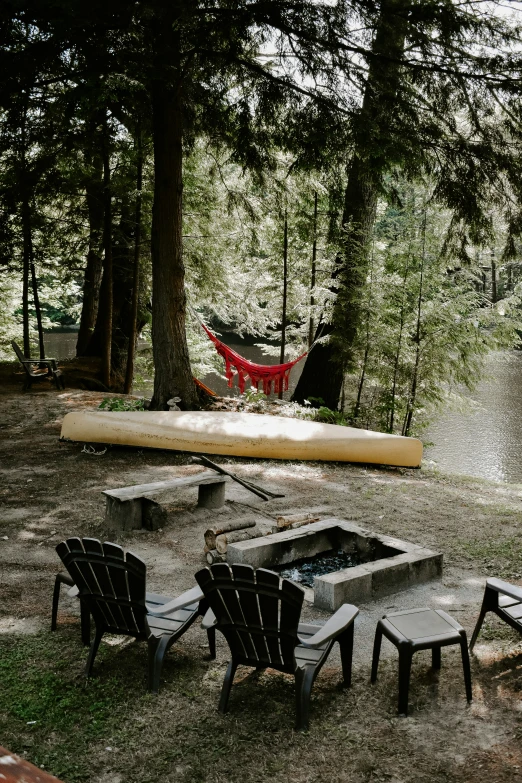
241, 435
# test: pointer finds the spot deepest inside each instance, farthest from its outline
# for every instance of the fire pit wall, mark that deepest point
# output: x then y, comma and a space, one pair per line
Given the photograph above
387, 564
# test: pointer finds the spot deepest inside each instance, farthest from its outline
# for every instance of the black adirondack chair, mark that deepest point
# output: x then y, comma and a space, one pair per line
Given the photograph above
258, 613
505, 600
111, 587
39, 370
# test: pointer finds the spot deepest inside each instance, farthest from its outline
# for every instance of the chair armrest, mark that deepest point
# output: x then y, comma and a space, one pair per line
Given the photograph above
333, 627
514, 591
209, 620
49, 362
191, 596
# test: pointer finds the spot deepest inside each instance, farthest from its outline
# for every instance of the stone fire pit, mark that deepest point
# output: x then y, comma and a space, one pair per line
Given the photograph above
387, 564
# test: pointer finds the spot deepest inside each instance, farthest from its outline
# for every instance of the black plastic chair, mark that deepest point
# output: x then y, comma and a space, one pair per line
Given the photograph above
39, 370
505, 600
258, 613
111, 587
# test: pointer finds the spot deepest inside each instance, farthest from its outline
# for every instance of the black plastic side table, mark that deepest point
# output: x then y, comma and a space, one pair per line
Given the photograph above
420, 629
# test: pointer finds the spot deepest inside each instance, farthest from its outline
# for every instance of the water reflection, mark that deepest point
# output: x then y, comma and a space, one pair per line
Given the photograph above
485, 441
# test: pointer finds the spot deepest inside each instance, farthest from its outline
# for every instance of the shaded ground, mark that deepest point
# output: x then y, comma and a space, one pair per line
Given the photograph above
110, 730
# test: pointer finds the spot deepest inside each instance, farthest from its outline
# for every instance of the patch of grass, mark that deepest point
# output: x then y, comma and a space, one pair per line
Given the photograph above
50, 712
494, 630
503, 558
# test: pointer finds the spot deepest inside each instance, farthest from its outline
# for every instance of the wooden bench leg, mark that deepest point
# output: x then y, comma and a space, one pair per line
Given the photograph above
123, 515
154, 516
211, 495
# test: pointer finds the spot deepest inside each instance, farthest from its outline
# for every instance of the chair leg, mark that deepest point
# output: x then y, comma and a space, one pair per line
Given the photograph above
483, 611
227, 685
405, 657
466, 667
435, 658
94, 649
157, 652
85, 619
346, 649
61, 578
376, 651
56, 598
304, 679
211, 636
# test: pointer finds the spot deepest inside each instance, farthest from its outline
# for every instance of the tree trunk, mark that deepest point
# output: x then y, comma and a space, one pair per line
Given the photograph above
26, 231
26, 234
37, 309
94, 267
373, 149
312, 277
173, 374
106, 289
285, 297
417, 339
494, 296
133, 336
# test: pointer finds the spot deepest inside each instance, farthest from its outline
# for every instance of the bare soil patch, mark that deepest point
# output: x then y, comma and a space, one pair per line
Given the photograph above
110, 730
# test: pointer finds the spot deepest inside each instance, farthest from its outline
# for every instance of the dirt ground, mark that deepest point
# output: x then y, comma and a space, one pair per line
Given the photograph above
110, 730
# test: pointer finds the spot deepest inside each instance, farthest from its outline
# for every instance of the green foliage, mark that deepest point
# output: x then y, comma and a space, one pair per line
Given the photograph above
253, 395
328, 416
427, 323
121, 404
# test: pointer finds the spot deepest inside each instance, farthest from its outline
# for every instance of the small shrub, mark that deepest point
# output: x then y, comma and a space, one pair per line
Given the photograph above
328, 416
253, 395
120, 404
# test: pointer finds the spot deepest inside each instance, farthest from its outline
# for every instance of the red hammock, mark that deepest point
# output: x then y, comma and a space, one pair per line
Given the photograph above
278, 374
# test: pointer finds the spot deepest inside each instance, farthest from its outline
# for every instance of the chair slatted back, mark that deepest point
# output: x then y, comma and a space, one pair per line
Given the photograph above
18, 352
257, 612
110, 581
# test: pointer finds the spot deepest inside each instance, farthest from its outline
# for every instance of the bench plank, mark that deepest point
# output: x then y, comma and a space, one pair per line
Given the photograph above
145, 490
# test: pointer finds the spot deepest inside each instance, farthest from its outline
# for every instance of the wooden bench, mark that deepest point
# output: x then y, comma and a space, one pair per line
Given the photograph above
131, 508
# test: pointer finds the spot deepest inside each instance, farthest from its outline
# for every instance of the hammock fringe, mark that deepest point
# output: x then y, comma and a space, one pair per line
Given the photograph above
267, 375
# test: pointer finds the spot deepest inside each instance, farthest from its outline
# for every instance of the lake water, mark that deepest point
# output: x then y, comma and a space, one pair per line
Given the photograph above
485, 440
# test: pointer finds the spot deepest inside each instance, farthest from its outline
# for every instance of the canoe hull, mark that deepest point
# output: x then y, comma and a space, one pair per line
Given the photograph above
241, 435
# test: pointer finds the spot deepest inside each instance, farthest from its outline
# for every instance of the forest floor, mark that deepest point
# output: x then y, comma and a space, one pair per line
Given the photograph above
109, 730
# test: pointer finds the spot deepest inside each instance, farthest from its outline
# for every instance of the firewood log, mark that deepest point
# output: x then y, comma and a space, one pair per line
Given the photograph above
225, 527
225, 539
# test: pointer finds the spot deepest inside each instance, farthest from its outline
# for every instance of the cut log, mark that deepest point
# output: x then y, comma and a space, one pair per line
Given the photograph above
213, 556
225, 527
224, 540
295, 520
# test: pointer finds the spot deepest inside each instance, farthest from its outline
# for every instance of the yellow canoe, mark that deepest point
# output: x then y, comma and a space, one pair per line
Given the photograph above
241, 435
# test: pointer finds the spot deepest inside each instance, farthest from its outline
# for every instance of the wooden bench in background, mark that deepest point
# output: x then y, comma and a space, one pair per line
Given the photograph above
131, 508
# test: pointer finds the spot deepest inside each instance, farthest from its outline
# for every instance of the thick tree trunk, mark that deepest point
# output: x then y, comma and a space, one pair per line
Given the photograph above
173, 374
94, 266
323, 372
